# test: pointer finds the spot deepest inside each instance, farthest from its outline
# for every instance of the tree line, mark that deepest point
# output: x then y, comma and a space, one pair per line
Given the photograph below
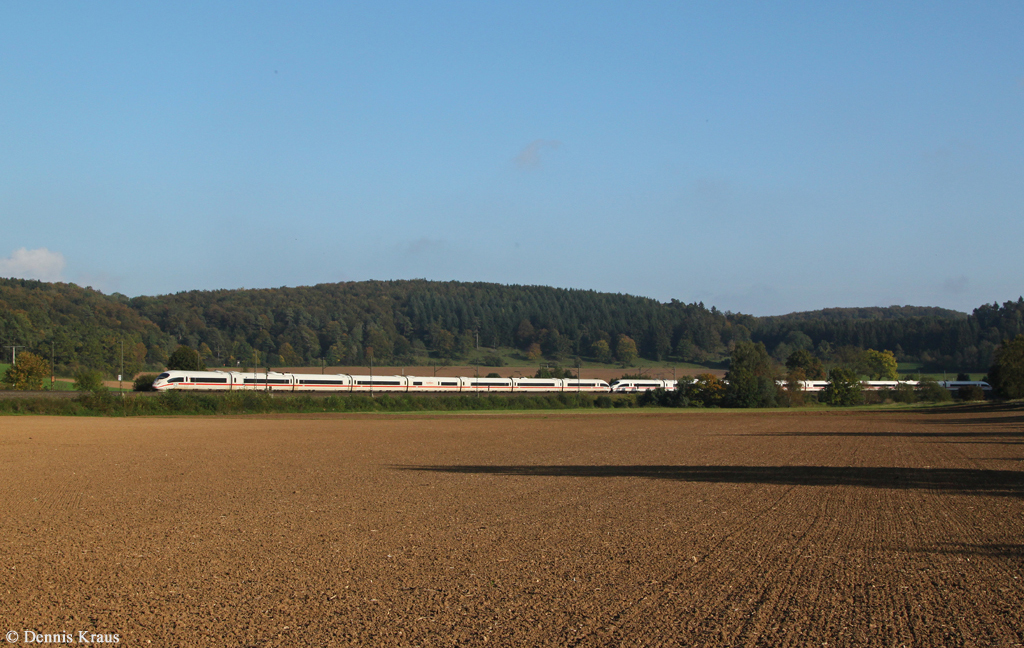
419, 321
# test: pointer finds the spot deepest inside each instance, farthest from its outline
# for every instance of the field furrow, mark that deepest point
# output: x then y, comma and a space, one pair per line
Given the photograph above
645, 528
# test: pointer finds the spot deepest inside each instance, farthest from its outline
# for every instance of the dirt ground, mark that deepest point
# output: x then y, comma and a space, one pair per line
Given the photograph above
543, 529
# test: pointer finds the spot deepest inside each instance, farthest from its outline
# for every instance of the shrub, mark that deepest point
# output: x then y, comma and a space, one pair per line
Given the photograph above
843, 388
904, 393
28, 373
1007, 371
970, 393
706, 390
186, 358
929, 390
492, 360
143, 382
89, 380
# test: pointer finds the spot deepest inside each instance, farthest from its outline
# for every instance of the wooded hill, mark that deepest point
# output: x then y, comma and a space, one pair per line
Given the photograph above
418, 321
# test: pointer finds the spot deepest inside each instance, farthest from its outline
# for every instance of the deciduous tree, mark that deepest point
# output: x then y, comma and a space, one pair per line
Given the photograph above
602, 352
805, 360
843, 388
1006, 375
28, 372
185, 358
705, 391
751, 377
625, 350
881, 365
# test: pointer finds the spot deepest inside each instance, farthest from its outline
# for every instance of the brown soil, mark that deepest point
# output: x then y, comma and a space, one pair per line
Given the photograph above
611, 528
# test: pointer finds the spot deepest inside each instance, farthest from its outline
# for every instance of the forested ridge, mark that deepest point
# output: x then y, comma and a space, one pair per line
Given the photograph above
419, 321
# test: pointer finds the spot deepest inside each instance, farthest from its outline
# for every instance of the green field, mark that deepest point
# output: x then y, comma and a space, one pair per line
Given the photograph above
913, 369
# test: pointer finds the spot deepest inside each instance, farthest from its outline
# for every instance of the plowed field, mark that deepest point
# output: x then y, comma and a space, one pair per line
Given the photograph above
596, 529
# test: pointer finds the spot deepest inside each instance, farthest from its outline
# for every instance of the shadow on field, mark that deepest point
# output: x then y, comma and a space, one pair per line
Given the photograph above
1008, 428
1016, 433
997, 550
1008, 483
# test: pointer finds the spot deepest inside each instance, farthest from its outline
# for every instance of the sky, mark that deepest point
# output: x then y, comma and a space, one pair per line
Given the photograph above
758, 157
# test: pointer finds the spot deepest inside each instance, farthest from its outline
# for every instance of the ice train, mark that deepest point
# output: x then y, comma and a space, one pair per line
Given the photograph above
289, 382
882, 385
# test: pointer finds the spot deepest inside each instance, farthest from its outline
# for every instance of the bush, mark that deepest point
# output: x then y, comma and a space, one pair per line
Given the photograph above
492, 360
1007, 371
929, 390
970, 393
706, 390
143, 382
28, 373
89, 380
843, 388
186, 358
904, 393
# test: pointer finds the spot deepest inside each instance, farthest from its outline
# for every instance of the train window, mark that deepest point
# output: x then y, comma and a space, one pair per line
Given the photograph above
417, 383
163, 375
449, 384
216, 380
178, 379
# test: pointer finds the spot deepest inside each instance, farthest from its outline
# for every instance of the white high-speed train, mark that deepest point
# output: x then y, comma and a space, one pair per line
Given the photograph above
287, 382
881, 385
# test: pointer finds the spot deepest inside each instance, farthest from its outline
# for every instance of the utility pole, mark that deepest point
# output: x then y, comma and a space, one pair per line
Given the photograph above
119, 376
14, 352
51, 366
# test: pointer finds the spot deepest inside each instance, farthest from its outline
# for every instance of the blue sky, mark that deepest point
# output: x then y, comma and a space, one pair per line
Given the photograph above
759, 157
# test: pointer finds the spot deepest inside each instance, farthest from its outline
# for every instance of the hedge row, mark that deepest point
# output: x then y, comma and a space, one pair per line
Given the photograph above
247, 402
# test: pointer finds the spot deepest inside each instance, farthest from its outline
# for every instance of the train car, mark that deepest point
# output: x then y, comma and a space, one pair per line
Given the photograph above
585, 385
272, 382
813, 385
628, 385
434, 384
321, 382
537, 384
193, 381
955, 385
878, 385
487, 384
380, 383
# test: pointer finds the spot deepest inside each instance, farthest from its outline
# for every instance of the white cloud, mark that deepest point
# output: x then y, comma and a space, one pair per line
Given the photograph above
529, 157
38, 264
